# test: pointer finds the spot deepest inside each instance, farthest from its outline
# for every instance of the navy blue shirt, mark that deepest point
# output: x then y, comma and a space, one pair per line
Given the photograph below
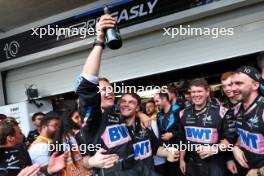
13, 160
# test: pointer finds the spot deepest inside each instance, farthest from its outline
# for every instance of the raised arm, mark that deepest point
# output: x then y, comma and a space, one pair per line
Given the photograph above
92, 64
87, 85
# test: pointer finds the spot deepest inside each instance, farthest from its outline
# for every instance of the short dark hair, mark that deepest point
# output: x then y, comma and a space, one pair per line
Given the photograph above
186, 91
199, 82
103, 79
164, 95
172, 89
134, 95
151, 100
37, 114
6, 129
48, 117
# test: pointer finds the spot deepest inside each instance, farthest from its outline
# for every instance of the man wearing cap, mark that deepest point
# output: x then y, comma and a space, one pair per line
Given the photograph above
249, 148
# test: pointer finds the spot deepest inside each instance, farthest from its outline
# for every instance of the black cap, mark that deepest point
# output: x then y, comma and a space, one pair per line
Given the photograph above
252, 72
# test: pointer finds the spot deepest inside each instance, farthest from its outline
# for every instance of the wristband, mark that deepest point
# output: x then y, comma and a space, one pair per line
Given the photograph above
99, 43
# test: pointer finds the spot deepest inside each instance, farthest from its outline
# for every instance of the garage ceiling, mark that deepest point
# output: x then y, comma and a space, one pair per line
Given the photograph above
16, 13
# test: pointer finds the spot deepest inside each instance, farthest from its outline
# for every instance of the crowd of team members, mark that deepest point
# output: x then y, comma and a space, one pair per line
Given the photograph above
220, 125
223, 138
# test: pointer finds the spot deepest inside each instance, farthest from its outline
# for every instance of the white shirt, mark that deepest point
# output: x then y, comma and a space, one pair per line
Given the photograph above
39, 153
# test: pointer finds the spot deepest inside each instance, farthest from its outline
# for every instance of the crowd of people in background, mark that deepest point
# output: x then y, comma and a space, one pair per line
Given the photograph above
229, 132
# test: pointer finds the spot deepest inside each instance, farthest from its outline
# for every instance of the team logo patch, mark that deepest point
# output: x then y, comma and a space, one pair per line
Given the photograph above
142, 150
252, 142
113, 119
253, 122
201, 135
207, 119
115, 135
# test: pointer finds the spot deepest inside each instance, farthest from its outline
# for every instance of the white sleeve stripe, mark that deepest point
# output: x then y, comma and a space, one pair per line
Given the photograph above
91, 78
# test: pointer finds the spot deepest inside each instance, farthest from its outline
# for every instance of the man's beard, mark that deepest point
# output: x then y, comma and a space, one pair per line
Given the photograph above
50, 134
245, 96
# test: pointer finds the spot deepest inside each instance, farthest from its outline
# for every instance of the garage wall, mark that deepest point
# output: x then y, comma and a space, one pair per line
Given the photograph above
147, 54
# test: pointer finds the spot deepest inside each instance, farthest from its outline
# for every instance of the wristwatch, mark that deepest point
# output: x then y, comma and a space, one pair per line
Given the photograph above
99, 43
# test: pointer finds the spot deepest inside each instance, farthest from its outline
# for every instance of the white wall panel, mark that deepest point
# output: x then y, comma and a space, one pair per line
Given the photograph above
147, 54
